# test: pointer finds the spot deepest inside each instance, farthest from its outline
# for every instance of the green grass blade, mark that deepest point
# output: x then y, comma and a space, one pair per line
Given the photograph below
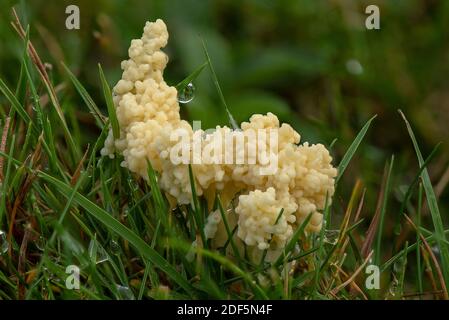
419, 268
99, 118
225, 262
415, 180
382, 212
433, 205
352, 149
191, 77
109, 104
292, 242
228, 231
14, 102
161, 207
217, 85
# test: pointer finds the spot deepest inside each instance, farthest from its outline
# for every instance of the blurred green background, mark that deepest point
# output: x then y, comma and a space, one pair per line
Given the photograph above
311, 62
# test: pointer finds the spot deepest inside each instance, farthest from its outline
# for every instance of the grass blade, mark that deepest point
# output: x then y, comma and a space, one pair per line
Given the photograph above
352, 149
377, 256
99, 118
14, 102
432, 203
291, 244
109, 104
217, 85
191, 77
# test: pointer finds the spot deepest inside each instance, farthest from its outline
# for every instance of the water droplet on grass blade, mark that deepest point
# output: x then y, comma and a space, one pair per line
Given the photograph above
3, 243
354, 67
436, 251
331, 236
399, 265
40, 243
186, 94
115, 247
125, 293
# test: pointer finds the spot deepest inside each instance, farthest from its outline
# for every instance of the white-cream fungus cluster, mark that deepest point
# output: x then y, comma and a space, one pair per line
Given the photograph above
148, 113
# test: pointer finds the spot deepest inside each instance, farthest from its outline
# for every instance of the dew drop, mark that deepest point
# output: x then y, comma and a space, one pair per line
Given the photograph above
186, 94
354, 67
115, 247
40, 243
399, 265
125, 213
393, 288
436, 251
3, 243
331, 236
125, 293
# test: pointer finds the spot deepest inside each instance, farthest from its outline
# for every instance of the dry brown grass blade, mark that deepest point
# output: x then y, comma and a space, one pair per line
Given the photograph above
3, 144
421, 294
52, 44
360, 207
429, 272
348, 213
22, 261
21, 195
342, 241
432, 256
356, 218
22, 191
77, 172
17, 25
353, 276
372, 229
39, 66
354, 286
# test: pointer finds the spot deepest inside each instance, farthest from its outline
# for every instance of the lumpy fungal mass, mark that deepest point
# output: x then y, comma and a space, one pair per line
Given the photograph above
268, 207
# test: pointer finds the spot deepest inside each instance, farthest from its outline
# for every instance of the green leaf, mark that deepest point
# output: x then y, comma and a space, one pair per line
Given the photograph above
228, 231
14, 102
110, 104
382, 212
99, 118
292, 242
161, 208
352, 149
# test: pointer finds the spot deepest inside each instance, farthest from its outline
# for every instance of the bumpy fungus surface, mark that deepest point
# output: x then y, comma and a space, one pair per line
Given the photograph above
148, 112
